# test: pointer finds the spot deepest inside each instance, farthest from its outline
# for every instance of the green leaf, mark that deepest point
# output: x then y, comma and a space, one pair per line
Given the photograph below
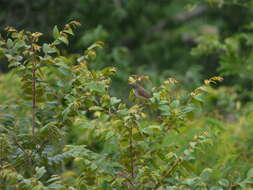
206, 173
98, 44
56, 33
224, 182
91, 54
39, 172
250, 173
155, 127
216, 188
65, 113
19, 44
174, 103
96, 87
165, 109
115, 100
69, 31
214, 123
95, 108
199, 98
62, 64
191, 181
47, 49
64, 40
9, 43
55, 185
188, 109
14, 64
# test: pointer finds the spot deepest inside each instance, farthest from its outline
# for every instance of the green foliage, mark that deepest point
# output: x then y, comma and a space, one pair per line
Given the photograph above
233, 51
151, 37
65, 130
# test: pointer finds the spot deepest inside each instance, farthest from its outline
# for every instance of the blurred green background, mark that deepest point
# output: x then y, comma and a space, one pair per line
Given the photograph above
147, 37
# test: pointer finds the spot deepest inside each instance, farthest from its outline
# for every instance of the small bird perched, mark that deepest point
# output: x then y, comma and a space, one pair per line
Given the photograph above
139, 91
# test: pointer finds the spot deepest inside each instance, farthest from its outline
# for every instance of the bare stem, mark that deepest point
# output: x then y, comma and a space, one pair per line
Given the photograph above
33, 95
168, 173
131, 151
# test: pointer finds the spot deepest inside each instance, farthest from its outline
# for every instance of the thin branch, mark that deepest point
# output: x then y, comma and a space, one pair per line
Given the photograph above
181, 17
129, 184
188, 15
1, 151
28, 156
33, 95
54, 92
168, 174
131, 151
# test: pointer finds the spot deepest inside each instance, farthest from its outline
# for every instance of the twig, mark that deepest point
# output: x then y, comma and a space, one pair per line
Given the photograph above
185, 16
51, 88
131, 151
28, 156
33, 95
168, 174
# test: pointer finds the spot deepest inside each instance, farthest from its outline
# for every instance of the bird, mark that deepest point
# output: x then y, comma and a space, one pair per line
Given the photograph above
139, 91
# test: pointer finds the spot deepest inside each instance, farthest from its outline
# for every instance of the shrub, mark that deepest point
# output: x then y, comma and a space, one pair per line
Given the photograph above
139, 145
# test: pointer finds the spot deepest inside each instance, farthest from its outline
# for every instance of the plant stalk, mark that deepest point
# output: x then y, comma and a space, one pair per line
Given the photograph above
168, 173
131, 152
33, 95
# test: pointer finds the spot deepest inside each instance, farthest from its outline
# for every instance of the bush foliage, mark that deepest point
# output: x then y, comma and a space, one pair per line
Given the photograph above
150, 37
62, 128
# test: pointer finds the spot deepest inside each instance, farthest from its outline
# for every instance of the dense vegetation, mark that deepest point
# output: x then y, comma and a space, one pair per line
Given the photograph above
70, 116
152, 38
